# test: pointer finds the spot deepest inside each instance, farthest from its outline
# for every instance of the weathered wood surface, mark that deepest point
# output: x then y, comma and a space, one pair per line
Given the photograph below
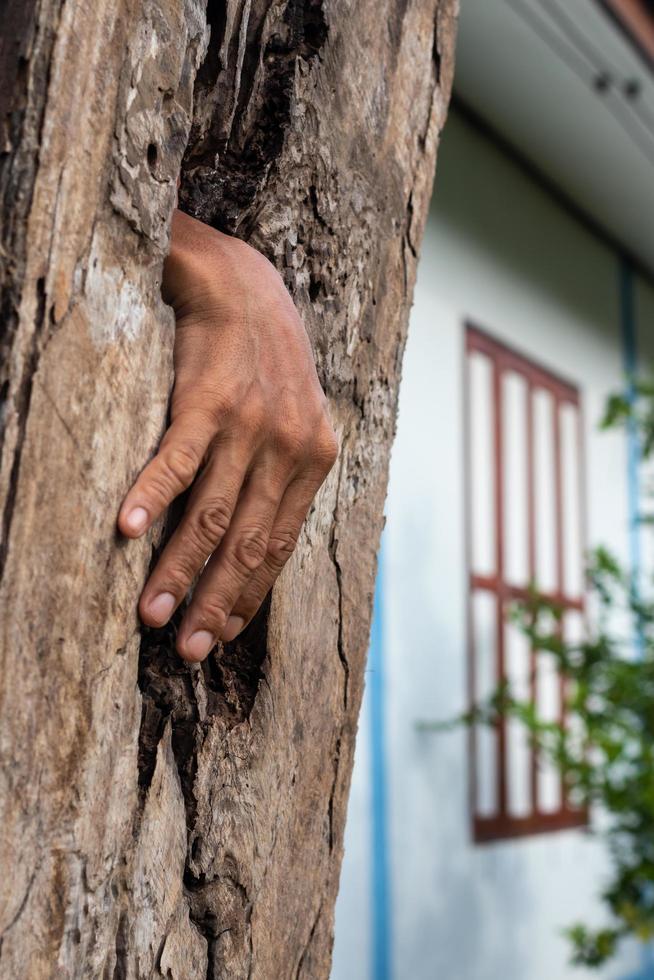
159, 820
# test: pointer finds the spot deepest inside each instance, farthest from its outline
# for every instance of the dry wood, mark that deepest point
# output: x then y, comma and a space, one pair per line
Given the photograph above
160, 820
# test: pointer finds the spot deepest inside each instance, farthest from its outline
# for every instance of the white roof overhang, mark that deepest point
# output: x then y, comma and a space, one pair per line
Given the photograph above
562, 84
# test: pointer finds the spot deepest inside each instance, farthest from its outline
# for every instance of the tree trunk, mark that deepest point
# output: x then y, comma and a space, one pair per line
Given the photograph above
160, 820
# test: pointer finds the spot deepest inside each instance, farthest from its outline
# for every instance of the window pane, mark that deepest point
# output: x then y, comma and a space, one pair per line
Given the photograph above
518, 751
544, 491
482, 464
574, 631
484, 626
548, 701
516, 520
572, 537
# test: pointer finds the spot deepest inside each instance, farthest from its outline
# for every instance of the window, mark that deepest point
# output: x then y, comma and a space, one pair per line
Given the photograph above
634, 17
524, 518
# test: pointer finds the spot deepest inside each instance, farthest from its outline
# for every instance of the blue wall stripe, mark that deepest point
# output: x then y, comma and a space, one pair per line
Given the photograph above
380, 879
629, 328
646, 971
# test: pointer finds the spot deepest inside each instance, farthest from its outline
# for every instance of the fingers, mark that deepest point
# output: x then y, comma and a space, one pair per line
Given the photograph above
205, 522
281, 544
244, 548
241, 530
171, 472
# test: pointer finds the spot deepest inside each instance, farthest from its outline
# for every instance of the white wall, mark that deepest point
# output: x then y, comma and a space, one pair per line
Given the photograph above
499, 252
353, 952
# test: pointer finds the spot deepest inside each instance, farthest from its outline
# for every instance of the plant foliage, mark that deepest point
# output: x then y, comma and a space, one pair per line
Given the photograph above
605, 749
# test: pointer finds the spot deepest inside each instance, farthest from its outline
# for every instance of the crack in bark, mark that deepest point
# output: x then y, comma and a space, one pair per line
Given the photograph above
220, 691
121, 947
409, 223
223, 895
307, 946
228, 167
21, 908
333, 553
436, 53
221, 188
223, 687
330, 806
22, 400
25, 71
436, 75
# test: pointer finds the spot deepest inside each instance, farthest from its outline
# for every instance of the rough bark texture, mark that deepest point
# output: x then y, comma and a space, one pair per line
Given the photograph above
160, 820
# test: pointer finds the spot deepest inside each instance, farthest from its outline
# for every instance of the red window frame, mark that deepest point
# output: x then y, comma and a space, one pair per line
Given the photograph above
503, 358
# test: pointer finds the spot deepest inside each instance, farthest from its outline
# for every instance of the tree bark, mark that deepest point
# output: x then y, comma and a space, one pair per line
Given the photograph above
160, 820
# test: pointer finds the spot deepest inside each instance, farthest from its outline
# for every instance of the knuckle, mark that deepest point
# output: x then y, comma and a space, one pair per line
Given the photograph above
207, 412
213, 521
293, 441
212, 610
221, 407
251, 549
180, 465
252, 418
158, 486
178, 575
281, 546
206, 405
325, 450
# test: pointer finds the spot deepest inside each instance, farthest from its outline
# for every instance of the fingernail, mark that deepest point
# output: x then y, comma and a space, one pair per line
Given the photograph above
161, 607
137, 519
233, 627
199, 644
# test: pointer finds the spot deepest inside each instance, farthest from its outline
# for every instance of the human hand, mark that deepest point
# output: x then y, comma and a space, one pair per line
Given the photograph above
249, 431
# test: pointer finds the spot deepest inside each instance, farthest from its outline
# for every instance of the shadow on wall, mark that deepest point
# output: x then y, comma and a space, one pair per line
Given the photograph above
537, 261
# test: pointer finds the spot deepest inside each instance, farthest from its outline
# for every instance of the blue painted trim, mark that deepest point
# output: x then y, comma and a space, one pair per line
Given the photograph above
629, 328
646, 971
380, 879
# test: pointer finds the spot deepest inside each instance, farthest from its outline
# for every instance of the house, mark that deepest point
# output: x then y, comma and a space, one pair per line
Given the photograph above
535, 298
